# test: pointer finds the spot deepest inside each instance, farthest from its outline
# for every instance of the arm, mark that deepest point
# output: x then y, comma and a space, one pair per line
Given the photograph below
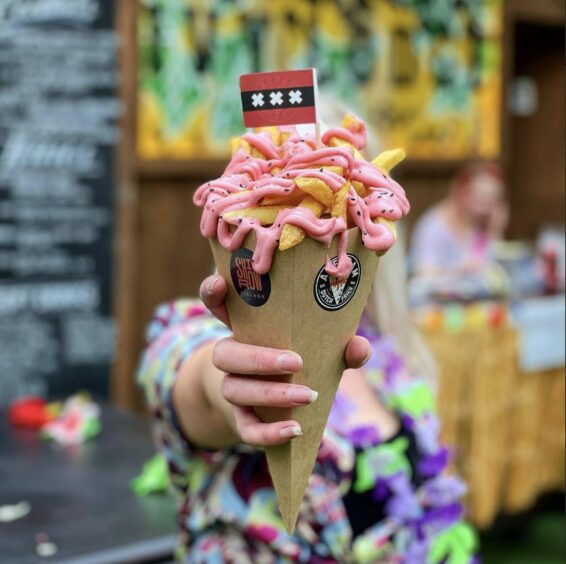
218, 386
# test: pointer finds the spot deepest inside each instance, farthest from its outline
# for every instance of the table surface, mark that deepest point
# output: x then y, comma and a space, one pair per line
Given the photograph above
80, 496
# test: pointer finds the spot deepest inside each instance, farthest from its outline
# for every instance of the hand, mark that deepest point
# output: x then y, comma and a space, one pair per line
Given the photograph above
243, 367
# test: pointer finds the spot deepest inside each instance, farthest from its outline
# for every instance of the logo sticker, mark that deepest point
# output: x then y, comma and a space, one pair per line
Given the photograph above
332, 294
252, 287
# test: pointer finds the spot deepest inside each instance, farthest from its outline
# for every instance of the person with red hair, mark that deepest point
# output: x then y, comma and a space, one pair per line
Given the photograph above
455, 237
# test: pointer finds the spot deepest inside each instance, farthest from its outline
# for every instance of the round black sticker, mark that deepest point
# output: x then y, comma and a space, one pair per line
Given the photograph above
252, 287
332, 294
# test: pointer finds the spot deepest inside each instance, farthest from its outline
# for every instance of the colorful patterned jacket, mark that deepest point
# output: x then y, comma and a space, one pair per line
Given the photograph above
226, 504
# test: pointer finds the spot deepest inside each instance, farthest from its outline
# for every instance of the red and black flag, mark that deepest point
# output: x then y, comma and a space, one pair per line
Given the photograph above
279, 98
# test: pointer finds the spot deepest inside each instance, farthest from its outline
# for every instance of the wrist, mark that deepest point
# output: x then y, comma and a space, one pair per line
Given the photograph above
205, 416
211, 382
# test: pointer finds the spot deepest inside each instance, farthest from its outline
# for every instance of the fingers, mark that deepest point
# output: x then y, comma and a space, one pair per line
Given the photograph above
212, 293
230, 356
255, 432
358, 352
245, 391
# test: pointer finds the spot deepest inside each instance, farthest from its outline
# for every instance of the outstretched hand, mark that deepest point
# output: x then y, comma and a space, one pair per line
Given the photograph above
245, 367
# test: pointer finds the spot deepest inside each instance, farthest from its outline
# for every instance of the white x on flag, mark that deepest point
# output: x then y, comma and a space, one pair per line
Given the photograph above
257, 100
276, 98
295, 97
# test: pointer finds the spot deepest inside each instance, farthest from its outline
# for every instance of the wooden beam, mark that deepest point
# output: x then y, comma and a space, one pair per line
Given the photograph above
548, 12
173, 169
541, 12
122, 387
507, 70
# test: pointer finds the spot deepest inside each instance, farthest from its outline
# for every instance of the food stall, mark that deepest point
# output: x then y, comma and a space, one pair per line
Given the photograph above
501, 404
176, 135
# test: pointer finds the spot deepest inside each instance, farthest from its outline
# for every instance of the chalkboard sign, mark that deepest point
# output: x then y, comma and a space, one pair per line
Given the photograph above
58, 111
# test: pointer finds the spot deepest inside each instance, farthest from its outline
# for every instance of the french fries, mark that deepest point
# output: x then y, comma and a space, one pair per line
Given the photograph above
317, 188
257, 154
353, 124
337, 142
292, 199
330, 168
360, 188
239, 143
339, 205
389, 159
273, 132
266, 215
324, 189
293, 235
389, 224
312, 194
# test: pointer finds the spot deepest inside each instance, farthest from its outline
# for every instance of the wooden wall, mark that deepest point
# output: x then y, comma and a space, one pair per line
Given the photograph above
160, 254
537, 149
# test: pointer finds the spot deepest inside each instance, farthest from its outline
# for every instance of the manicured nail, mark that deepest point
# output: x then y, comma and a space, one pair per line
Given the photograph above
210, 284
301, 395
289, 361
291, 432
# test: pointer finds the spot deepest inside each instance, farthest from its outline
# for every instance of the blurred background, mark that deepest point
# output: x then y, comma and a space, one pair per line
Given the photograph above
113, 112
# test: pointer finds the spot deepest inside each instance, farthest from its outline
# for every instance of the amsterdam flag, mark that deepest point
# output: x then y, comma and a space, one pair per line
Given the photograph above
279, 98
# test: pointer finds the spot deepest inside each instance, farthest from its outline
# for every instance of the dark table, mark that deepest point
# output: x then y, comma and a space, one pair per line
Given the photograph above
80, 496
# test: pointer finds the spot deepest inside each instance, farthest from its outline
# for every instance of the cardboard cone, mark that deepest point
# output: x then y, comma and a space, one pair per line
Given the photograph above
297, 306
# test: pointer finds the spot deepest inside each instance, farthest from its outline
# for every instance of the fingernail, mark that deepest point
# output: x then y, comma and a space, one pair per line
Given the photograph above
301, 395
368, 356
211, 284
289, 361
290, 432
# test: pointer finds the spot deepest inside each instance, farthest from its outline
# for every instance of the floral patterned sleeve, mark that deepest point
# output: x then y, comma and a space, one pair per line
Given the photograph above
177, 330
227, 509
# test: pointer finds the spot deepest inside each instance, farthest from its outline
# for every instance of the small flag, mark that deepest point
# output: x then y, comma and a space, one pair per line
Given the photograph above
278, 98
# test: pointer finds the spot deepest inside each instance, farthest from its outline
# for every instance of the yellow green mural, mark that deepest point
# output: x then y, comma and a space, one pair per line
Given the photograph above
425, 74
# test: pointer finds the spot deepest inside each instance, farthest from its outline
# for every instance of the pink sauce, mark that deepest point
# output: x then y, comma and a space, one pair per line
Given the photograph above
248, 179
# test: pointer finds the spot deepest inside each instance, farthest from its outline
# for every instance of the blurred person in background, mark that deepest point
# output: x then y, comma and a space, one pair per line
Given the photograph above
455, 237
453, 246
378, 492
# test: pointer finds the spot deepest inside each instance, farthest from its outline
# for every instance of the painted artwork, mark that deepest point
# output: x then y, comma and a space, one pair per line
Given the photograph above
425, 74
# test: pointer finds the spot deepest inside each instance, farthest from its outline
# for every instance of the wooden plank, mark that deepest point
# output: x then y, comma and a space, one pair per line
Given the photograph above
508, 50
125, 264
172, 260
536, 178
550, 12
174, 257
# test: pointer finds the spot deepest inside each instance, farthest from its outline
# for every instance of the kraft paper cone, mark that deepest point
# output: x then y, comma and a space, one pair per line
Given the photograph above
294, 307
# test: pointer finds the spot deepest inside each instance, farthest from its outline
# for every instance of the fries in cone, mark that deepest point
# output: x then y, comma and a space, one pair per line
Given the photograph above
296, 229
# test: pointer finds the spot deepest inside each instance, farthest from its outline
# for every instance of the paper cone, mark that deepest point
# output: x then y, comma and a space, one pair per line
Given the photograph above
294, 307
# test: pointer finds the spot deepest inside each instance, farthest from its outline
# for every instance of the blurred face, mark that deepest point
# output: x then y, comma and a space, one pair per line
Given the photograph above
480, 198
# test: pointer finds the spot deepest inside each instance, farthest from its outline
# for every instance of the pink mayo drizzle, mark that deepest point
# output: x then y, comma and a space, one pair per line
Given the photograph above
248, 179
